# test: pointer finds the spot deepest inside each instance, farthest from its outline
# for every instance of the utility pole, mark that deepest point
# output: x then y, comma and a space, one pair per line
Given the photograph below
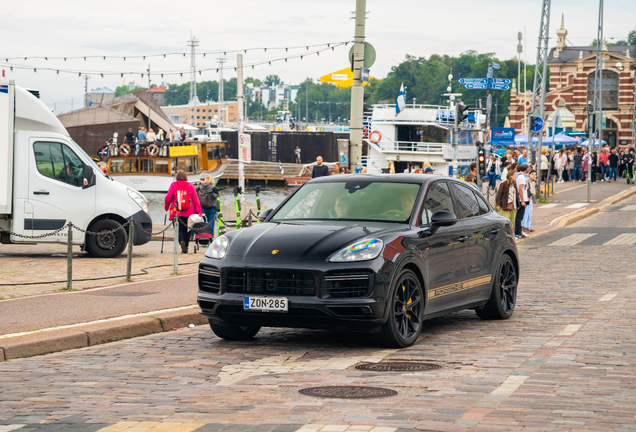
597, 101
357, 91
519, 51
540, 73
86, 96
634, 116
240, 97
193, 43
221, 61
307, 104
149, 96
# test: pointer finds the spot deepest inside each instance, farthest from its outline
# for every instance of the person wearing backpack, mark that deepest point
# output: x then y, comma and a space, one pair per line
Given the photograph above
183, 202
208, 195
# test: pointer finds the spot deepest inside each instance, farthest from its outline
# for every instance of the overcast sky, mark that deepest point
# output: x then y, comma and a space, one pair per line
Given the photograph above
395, 28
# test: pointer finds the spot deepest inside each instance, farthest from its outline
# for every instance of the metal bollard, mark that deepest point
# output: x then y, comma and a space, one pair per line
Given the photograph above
131, 234
69, 258
175, 270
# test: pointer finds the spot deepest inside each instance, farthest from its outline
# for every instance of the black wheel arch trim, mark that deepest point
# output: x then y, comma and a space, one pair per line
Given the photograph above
406, 260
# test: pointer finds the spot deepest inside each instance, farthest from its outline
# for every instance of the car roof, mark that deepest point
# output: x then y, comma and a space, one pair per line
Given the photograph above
393, 178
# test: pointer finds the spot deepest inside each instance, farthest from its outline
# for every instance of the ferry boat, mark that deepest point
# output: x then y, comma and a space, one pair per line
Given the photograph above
153, 169
420, 134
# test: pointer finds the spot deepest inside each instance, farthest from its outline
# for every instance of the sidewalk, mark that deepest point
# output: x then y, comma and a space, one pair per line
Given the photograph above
569, 198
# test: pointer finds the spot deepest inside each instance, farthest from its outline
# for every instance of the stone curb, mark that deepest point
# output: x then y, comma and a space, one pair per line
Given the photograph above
584, 213
47, 342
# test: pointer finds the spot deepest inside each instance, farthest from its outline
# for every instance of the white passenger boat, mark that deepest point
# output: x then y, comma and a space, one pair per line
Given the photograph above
419, 134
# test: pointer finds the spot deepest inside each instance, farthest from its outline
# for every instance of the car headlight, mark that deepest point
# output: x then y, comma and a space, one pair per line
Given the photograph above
218, 248
140, 200
361, 251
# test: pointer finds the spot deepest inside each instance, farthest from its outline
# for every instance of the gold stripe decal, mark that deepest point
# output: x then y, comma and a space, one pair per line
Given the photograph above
461, 286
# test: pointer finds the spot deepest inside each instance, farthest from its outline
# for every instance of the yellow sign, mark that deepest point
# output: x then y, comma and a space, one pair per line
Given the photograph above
341, 78
275, 251
190, 150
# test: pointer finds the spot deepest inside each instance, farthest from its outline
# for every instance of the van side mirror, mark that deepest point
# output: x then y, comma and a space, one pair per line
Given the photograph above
265, 214
442, 218
88, 176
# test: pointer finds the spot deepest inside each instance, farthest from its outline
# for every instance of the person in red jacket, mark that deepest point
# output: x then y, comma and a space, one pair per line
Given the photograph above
182, 198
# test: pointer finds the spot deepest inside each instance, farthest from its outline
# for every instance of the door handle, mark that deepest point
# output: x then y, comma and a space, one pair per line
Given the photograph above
40, 192
494, 231
462, 239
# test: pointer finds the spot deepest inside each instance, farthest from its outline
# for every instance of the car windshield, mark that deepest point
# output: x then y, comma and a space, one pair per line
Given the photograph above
351, 200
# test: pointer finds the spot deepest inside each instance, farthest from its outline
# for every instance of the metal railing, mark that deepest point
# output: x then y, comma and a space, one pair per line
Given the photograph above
411, 146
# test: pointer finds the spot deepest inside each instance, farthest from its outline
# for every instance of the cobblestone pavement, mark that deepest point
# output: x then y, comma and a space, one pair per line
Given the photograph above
566, 361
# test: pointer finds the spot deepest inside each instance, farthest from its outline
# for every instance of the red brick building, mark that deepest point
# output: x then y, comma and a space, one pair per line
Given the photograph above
572, 72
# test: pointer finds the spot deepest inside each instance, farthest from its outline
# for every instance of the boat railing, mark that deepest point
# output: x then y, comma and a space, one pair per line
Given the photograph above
411, 146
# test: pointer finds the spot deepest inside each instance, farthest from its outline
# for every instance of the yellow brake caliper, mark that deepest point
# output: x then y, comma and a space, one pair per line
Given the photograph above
408, 303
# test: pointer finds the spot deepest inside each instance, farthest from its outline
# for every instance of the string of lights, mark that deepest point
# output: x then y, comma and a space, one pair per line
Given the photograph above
168, 54
81, 73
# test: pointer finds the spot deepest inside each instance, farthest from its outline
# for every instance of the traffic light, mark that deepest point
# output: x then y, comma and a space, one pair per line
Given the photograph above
481, 160
533, 121
460, 114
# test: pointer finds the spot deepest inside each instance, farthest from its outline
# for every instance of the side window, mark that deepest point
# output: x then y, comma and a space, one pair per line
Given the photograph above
483, 207
466, 200
437, 198
58, 162
43, 159
74, 167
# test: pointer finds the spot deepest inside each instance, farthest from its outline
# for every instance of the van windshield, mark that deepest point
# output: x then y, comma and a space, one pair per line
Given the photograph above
86, 157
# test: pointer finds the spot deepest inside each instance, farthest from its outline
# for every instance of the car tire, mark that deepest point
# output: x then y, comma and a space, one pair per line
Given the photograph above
503, 294
107, 245
406, 311
234, 332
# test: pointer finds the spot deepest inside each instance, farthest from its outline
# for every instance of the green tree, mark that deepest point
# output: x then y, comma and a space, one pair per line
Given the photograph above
122, 90
273, 80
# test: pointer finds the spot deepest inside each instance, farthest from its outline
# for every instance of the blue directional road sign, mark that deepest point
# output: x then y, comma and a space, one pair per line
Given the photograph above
496, 86
538, 124
495, 65
501, 81
473, 80
490, 72
476, 86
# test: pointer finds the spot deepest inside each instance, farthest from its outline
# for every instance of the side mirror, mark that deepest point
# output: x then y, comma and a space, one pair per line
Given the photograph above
265, 214
442, 218
88, 177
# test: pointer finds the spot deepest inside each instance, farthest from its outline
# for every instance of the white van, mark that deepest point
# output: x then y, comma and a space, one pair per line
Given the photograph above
47, 180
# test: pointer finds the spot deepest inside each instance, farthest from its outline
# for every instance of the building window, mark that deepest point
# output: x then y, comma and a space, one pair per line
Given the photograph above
609, 92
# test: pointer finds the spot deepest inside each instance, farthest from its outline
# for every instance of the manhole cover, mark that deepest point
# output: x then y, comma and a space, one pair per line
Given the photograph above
348, 392
127, 294
398, 366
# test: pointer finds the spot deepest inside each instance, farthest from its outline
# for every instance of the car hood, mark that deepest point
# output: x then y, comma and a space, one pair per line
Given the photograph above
293, 241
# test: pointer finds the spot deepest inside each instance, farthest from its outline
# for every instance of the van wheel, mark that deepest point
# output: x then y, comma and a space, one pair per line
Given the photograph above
106, 244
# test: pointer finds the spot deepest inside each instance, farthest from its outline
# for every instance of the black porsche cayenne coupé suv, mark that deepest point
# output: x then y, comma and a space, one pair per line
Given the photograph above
363, 253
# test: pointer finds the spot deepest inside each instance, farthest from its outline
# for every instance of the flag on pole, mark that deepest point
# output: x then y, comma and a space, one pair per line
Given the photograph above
282, 170
400, 104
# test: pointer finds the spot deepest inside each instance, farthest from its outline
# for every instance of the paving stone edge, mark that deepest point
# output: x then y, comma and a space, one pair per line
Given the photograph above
51, 341
584, 213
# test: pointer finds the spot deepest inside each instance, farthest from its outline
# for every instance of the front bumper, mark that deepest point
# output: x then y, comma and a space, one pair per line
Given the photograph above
337, 300
143, 220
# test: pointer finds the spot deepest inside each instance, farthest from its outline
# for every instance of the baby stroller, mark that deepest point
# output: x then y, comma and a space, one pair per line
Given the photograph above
203, 235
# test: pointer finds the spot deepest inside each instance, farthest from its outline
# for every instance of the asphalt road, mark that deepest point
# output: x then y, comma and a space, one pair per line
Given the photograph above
64, 308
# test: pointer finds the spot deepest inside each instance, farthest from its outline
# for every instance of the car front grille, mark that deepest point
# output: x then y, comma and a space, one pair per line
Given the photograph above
347, 285
272, 282
209, 279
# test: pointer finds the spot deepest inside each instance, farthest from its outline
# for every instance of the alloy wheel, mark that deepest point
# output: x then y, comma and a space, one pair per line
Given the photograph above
408, 307
508, 286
